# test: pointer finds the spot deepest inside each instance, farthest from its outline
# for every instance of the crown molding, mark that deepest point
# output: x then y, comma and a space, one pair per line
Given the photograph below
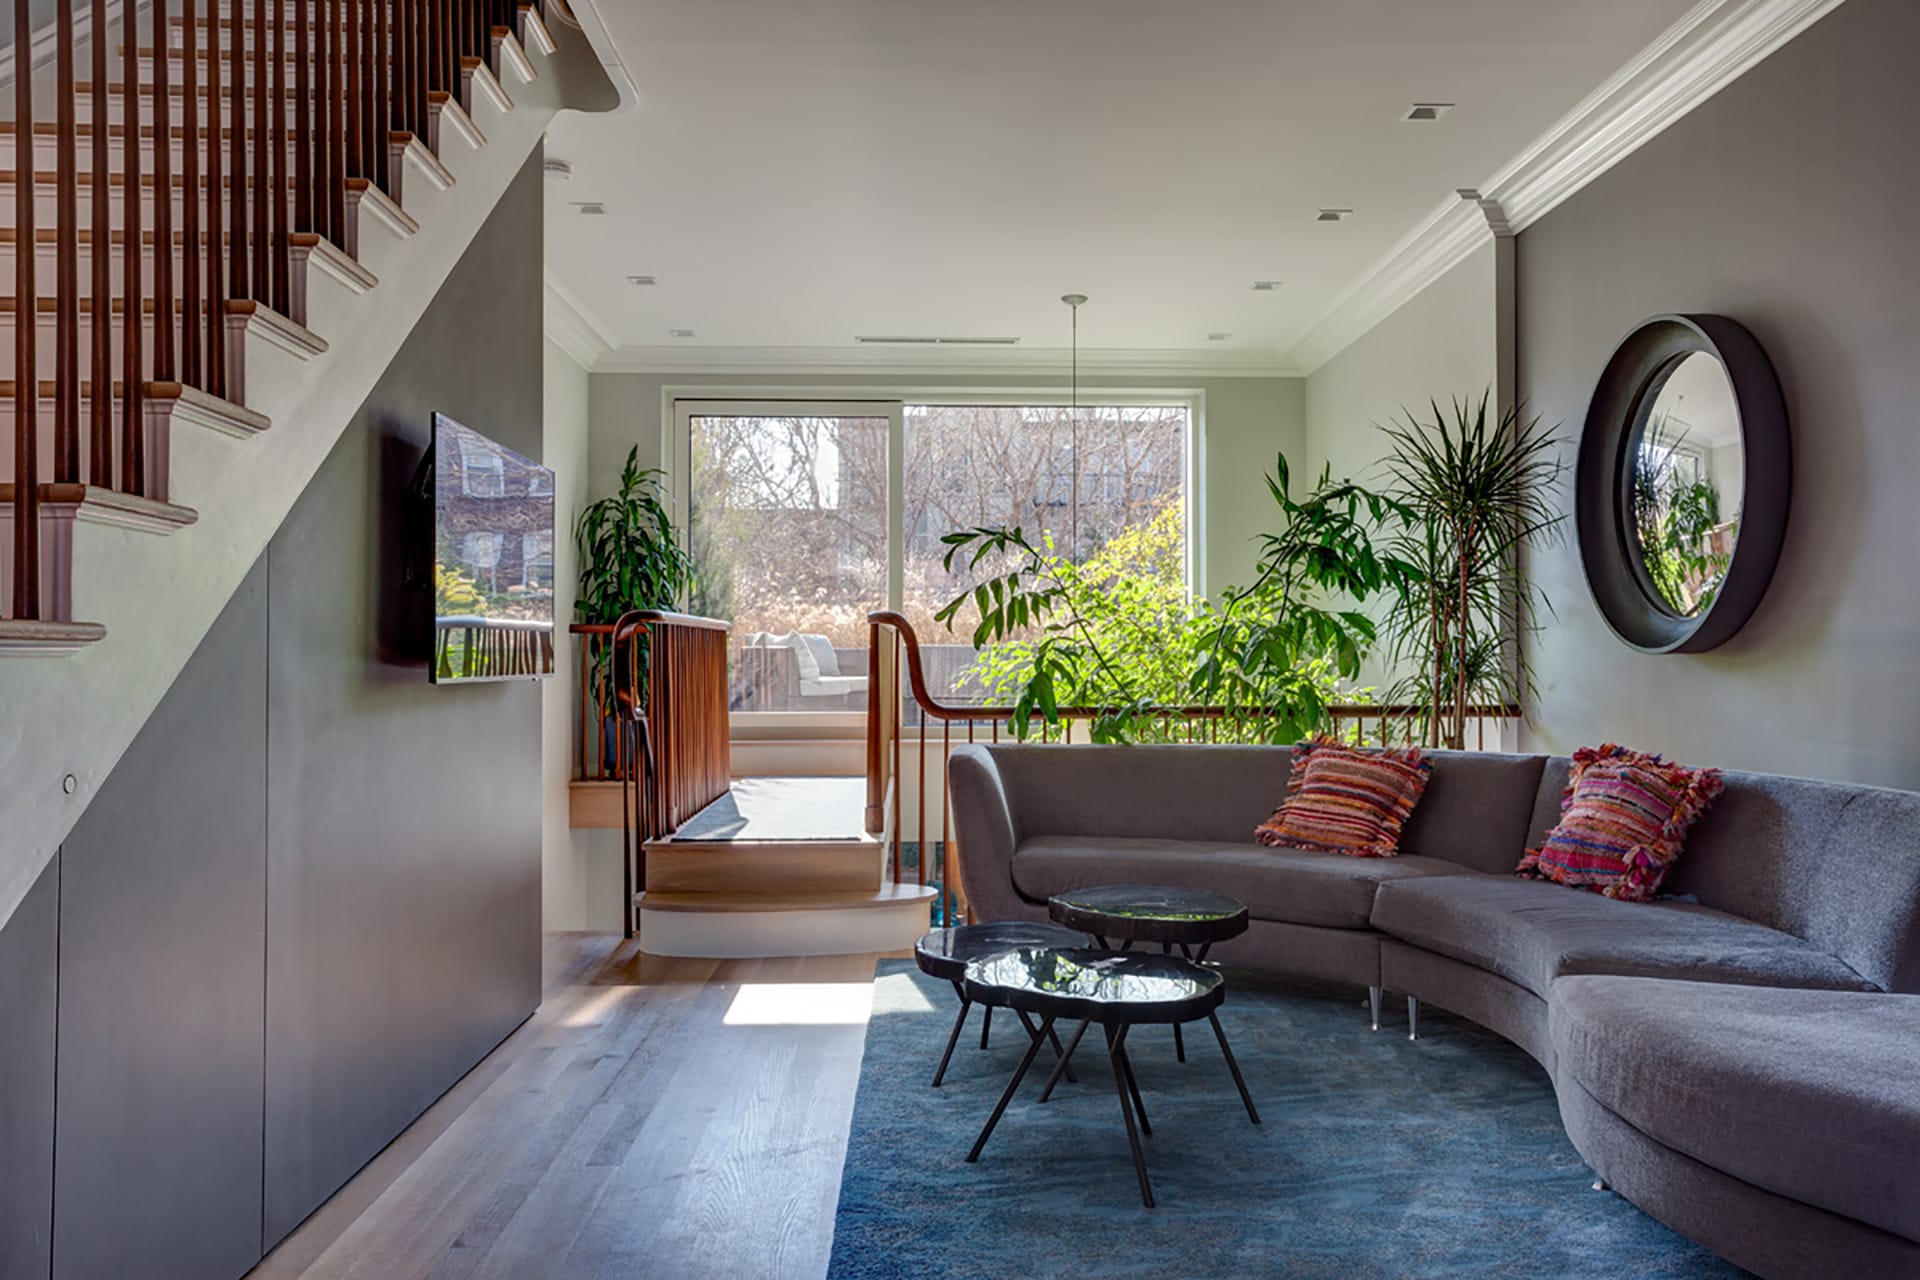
573, 328
1049, 361
1712, 45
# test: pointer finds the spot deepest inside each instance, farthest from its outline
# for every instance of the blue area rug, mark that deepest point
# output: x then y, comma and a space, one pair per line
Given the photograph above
1379, 1157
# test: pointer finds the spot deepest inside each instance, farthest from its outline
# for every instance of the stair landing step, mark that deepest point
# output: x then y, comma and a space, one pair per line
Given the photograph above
892, 895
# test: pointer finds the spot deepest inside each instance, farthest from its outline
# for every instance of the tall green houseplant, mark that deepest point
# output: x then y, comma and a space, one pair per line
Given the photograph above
631, 556
1475, 487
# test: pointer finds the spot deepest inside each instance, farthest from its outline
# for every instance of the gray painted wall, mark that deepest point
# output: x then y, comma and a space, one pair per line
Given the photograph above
308, 898
28, 995
1787, 203
403, 915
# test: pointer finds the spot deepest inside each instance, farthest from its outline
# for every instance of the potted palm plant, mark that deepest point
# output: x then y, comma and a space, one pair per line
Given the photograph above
1475, 487
631, 557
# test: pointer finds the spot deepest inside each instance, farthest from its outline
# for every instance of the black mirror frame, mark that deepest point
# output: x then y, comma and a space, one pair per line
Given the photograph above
1616, 414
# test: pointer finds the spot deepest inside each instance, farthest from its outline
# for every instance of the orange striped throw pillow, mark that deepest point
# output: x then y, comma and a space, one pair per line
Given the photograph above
1342, 800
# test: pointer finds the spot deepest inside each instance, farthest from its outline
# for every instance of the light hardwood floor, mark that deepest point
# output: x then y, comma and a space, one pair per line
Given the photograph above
672, 1118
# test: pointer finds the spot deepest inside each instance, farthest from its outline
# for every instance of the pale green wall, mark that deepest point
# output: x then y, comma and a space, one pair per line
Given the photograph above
1244, 422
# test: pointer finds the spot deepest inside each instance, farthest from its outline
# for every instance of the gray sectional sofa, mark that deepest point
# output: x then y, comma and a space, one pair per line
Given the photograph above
1740, 1059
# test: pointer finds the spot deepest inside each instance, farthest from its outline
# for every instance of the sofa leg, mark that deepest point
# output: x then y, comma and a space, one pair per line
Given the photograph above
1601, 1184
1413, 1017
1373, 1002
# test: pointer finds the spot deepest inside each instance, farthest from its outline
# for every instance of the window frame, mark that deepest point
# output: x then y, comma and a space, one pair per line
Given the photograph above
681, 404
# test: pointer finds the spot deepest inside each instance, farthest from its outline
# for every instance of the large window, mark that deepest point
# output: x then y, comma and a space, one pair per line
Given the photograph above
788, 520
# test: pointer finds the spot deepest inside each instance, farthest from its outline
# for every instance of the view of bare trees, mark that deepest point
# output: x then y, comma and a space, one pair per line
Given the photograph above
789, 513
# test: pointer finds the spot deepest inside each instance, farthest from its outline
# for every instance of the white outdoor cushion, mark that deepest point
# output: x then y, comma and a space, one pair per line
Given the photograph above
823, 655
803, 659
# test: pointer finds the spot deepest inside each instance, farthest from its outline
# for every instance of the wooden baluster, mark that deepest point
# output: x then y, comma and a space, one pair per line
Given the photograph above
323, 114
267, 128
216, 243
383, 87
239, 284
356, 164
133, 470
192, 364
26, 381
100, 259
306, 218
66, 265
949, 896
274, 170
336, 107
899, 693
133, 456
920, 803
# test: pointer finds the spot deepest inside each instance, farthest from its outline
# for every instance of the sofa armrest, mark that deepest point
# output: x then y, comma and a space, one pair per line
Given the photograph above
983, 826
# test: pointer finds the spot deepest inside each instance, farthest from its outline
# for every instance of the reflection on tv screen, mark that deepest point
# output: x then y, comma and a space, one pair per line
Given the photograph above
493, 530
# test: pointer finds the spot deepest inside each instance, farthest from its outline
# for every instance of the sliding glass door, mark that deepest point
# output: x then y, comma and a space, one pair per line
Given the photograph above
787, 522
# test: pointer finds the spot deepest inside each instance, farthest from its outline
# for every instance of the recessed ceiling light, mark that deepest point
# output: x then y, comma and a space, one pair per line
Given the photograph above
641, 280
588, 206
1265, 286
679, 333
1334, 215
1429, 110
1218, 337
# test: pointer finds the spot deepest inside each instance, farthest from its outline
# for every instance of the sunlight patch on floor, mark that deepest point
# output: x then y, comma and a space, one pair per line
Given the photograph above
800, 1004
896, 993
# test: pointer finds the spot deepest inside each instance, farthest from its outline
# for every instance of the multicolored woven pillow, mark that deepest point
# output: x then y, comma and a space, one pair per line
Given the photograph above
1342, 800
1623, 821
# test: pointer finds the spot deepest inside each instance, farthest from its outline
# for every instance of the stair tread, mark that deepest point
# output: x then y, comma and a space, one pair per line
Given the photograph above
150, 511
48, 637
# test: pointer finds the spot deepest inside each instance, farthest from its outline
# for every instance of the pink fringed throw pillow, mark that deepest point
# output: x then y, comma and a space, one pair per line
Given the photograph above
1341, 800
1623, 822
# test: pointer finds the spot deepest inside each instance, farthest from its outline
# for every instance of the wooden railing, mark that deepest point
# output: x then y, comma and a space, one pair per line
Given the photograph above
263, 117
897, 678
684, 660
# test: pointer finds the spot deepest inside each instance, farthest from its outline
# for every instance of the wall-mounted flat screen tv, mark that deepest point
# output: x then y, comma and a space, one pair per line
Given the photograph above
492, 559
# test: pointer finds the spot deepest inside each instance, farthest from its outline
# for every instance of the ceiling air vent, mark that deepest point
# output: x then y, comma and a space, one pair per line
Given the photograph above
1429, 110
589, 207
903, 341
1334, 215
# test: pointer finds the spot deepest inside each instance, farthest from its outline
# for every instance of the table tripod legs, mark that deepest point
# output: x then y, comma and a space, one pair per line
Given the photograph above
1013, 1087
1122, 1075
1061, 1067
959, 1021
1234, 1067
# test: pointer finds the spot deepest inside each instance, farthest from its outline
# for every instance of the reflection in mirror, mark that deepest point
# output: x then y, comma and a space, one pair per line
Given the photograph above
1688, 475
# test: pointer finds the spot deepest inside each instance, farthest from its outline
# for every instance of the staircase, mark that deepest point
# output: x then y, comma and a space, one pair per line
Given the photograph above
219, 220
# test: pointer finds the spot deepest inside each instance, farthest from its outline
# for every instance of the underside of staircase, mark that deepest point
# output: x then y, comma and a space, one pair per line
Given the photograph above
219, 221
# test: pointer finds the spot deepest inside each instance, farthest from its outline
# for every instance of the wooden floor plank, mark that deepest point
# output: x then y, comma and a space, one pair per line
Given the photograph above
681, 1118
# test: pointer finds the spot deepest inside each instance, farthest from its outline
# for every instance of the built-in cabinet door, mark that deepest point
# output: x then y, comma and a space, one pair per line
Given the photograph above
163, 979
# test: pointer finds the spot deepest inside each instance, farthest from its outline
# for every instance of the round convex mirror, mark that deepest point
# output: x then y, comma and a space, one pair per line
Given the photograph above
1687, 475
1682, 483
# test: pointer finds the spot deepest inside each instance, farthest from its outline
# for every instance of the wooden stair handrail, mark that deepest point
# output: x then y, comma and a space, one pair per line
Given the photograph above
917, 681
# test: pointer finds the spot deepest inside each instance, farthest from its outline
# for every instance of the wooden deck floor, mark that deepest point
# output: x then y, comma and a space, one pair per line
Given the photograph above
672, 1118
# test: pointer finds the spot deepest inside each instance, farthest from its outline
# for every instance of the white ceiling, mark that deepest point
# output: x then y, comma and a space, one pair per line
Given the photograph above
798, 172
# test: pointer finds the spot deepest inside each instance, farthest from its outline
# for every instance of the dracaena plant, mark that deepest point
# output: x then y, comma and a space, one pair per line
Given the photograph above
631, 556
1476, 488
1268, 656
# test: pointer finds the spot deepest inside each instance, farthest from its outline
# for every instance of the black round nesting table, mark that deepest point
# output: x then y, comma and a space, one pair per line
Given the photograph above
1190, 919
946, 953
1116, 990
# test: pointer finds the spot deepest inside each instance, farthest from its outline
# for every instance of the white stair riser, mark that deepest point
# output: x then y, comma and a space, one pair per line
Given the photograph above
316, 294
247, 356
758, 934
155, 433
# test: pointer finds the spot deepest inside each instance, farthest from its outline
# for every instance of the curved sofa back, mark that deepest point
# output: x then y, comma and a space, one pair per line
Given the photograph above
1477, 810
1833, 863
